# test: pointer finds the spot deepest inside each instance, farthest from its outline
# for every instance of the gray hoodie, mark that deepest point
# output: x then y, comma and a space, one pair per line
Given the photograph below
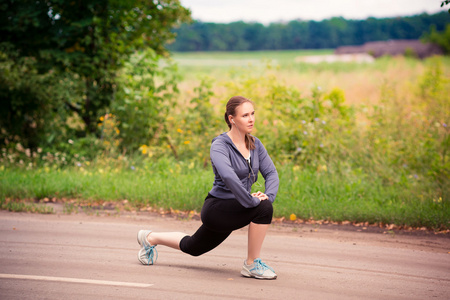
233, 175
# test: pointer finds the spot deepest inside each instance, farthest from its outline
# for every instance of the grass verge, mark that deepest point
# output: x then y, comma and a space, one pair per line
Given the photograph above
328, 195
20, 206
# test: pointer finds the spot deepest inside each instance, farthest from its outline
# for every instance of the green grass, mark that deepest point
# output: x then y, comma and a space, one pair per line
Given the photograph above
19, 206
356, 197
332, 196
166, 187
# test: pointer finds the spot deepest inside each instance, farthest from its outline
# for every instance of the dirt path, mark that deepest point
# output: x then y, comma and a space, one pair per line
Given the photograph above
91, 257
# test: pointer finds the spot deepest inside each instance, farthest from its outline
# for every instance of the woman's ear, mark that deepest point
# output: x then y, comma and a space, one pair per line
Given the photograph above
230, 118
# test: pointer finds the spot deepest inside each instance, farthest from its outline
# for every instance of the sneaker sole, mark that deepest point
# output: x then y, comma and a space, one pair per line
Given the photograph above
249, 275
145, 263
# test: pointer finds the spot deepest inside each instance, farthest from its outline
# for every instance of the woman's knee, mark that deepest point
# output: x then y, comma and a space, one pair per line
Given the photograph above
267, 206
188, 247
264, 213
202, 241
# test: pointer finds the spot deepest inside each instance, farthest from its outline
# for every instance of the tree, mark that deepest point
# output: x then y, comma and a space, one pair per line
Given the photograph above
445, 2
84, 40
298, 34
439, 38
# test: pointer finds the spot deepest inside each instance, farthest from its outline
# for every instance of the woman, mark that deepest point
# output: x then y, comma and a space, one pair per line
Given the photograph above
236, 158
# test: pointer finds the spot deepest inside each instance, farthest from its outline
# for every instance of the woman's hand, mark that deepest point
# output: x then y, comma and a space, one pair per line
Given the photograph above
260, 195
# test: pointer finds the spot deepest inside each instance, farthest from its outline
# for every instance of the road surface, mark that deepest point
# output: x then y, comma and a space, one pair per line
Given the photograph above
82, 256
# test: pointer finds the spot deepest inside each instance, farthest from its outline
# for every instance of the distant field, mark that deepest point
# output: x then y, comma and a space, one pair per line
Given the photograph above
242, 58
361, 82
282, 55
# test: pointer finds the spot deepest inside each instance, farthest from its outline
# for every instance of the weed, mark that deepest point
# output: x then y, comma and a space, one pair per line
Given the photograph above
20, 206
70, 208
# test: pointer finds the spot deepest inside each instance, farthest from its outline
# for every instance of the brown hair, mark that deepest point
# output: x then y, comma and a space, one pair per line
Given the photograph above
232, 104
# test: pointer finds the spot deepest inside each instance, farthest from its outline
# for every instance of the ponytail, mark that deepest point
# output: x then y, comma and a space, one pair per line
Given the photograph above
227, 120
250, 141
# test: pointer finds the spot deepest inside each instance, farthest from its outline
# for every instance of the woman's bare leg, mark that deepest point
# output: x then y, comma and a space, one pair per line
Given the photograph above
169, 239
256, 235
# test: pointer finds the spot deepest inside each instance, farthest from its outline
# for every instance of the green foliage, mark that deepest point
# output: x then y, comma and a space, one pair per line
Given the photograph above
439, 38
409, 52
383, 163
407, 139
147, 87
434, 91
301, 129
81, 45
200, 124
23, 101
326, 34
31, 106
445, 2
403, 141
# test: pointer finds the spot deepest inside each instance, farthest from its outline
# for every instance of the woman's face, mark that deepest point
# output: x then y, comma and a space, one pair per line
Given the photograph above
244, 119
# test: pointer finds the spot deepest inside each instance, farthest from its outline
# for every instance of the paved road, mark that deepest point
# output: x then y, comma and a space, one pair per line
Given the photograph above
94, 257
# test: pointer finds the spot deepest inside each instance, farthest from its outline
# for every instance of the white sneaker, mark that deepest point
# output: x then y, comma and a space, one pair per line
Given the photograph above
148, 254
258, 270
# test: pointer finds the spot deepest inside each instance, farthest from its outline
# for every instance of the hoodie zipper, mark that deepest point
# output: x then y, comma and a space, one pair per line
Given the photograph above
248, 163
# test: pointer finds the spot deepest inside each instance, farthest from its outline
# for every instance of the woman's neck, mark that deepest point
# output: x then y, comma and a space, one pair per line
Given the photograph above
237, 137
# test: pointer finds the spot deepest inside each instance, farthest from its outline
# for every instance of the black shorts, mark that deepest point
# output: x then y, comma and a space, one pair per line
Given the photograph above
220, 217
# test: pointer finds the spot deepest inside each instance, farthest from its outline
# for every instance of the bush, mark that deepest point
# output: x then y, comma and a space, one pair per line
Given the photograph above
146, 93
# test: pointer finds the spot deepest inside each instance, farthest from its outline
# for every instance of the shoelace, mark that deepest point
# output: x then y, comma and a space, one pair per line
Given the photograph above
260, 267
151, 253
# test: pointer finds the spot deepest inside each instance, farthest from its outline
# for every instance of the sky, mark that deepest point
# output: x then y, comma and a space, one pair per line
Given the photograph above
268, 11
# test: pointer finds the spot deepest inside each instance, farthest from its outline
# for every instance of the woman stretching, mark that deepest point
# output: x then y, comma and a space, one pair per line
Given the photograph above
236, 158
